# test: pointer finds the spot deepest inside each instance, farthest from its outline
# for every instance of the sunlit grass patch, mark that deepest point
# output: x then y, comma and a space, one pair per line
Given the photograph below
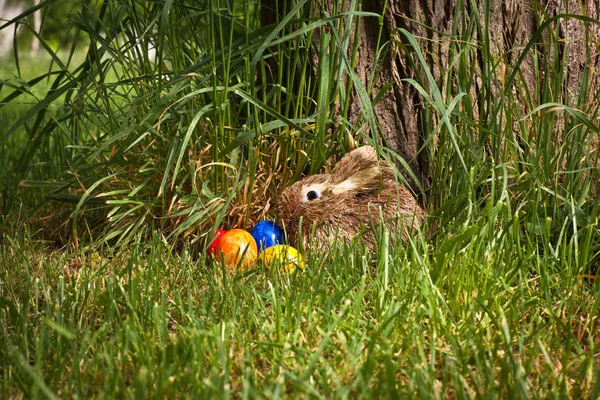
146, 320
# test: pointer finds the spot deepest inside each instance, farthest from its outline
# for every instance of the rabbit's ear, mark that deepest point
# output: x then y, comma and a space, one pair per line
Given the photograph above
361, 180
357, 160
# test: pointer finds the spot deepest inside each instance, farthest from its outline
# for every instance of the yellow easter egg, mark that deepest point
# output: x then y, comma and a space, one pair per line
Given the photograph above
281, 255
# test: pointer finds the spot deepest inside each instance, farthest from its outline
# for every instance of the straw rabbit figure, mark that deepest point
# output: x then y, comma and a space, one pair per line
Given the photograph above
349, 201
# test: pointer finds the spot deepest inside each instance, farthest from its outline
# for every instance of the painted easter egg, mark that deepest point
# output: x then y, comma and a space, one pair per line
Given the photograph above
285, 257
211, 250
267, 234
236, 248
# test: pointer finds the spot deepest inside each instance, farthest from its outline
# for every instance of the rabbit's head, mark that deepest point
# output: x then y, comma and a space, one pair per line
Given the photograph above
357, 194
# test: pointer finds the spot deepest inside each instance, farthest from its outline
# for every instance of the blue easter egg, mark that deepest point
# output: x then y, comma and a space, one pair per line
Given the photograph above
267, 234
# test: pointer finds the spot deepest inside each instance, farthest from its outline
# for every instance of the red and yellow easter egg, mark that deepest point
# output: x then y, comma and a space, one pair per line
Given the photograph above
285, 257
236, 248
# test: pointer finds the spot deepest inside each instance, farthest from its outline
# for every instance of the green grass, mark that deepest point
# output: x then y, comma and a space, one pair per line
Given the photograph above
28, 156
477, 319
10, 112
114, 181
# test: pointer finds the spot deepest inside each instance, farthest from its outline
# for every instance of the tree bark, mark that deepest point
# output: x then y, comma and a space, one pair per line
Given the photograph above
37, 26
511, 24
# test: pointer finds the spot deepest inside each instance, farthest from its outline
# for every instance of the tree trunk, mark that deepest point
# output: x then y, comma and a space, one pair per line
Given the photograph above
8, 11
512, 23
37, 26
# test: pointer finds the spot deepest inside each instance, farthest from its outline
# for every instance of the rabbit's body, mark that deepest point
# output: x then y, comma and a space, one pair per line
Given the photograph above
352, 199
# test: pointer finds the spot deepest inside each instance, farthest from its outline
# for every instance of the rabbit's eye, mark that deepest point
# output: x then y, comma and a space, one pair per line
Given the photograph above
312, 195
312, 192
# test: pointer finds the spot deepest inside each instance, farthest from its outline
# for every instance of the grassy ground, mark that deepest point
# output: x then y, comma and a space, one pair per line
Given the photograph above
150, 322
112, 195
